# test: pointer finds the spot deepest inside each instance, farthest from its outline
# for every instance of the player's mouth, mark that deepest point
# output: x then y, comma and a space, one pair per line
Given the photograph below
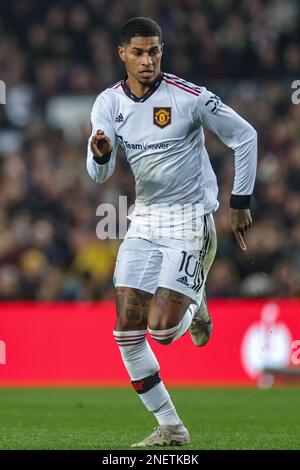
147, 73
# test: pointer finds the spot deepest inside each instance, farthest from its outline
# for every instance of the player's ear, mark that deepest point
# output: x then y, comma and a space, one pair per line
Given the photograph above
121, 50
162, 47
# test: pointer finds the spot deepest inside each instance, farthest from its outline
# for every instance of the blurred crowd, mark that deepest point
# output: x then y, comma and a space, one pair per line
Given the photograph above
246, 52
67, 46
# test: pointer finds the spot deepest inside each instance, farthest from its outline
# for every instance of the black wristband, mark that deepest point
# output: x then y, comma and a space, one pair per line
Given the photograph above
102, 160
240, 202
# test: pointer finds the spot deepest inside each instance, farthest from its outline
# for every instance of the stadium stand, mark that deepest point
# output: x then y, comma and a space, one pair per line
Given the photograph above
55, 57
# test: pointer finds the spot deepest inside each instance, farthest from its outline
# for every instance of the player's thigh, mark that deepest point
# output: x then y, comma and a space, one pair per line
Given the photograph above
132, 309
136, 274
173, 294
181, 279
186, 263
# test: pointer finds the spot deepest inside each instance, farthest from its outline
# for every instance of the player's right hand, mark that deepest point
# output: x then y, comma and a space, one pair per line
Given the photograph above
101, 144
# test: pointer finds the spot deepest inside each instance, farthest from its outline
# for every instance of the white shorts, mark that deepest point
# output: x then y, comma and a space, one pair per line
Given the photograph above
177, 264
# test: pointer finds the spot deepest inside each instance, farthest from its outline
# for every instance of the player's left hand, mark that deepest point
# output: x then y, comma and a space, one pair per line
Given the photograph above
241, 221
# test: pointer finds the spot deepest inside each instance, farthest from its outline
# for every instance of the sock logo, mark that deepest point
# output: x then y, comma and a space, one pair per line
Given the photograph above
138, 386
144, 385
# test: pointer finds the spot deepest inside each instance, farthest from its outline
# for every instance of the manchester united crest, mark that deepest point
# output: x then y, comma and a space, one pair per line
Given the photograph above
161, 117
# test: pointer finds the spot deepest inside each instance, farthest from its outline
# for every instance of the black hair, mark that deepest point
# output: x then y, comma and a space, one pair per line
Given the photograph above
139, 26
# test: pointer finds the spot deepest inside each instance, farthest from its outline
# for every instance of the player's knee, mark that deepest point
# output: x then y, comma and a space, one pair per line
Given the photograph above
125, 323
131, 319
164, 323
162, 332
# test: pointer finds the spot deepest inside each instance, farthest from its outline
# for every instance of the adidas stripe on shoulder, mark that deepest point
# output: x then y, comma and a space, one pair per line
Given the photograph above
114, 85
182, 84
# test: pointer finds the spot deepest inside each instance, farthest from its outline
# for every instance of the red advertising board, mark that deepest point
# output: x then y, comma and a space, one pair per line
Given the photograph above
72, 344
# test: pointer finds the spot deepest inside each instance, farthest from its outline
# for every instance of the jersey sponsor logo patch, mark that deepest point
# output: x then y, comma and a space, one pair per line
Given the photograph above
142, 146
161, 117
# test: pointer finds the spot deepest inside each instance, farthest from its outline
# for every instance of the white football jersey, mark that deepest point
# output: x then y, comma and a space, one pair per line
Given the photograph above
162, 136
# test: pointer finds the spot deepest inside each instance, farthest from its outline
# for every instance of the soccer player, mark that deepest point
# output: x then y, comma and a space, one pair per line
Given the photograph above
158, 119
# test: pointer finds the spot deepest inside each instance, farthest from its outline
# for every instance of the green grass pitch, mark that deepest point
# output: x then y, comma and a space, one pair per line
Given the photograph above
96, 418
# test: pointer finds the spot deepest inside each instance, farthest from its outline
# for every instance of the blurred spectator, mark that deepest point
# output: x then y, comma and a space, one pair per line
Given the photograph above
223, 279
258, 285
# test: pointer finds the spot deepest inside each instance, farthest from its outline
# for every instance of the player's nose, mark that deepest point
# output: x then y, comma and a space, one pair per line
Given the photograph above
147, 59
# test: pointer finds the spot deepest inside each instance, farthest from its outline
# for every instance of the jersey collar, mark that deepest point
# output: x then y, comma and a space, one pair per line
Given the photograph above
141, 99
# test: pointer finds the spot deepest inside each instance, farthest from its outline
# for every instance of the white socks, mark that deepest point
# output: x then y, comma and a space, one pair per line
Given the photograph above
142, 367
166, 414
136, 353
